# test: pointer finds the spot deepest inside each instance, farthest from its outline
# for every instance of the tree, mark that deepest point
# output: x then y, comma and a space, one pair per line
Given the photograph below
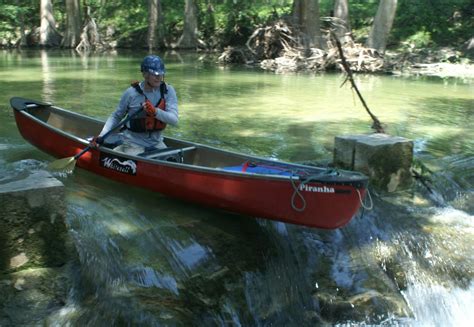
156, 35
72, 33
90, 37
382, 25
306, 20
341, 13
152, 23
21, 19
189, 39
49, 36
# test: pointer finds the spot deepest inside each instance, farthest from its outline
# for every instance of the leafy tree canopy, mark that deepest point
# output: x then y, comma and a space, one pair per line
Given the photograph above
231, 22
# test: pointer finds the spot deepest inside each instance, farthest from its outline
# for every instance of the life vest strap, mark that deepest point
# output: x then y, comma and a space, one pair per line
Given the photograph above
140, 125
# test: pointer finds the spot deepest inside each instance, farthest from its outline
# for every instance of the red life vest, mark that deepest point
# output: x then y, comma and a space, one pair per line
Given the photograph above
149, 124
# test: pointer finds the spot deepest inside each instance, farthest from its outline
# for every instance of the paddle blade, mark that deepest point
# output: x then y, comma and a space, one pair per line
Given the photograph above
65, 165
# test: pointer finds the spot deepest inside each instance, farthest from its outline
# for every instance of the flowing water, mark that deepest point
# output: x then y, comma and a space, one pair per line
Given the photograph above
146, 259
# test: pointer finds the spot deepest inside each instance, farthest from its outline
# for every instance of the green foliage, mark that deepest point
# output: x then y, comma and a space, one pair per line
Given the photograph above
207, 22
8, 14
10, 18
236, 23
419, 23
427, 22
362, 13
126, 21
235, 20
420, 39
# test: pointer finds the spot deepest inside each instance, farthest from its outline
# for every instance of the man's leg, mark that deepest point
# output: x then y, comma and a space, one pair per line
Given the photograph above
129, 148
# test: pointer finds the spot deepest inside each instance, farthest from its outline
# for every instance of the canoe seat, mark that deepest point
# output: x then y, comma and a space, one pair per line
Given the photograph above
168, 154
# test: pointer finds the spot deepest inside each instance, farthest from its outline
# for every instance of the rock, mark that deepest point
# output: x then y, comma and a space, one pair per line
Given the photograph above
369, 306
18, 261
30, 296
376, 305
32, 222
385, 159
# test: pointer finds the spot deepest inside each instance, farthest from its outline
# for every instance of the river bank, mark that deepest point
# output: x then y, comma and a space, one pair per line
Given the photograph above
442, 62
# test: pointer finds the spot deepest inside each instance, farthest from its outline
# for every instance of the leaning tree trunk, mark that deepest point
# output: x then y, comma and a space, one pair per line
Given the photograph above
161, 31
382, 25
341, 15
72, 35
90, 38
49, 36
189, 39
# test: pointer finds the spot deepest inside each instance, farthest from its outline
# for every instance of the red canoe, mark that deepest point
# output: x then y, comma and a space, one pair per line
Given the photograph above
298, 194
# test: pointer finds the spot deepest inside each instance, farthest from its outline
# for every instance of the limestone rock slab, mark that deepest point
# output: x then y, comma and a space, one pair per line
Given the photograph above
32, 221
384, 158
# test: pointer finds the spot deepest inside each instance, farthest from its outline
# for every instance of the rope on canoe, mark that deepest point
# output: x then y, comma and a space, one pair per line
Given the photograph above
295, 193
296, 188
369, 207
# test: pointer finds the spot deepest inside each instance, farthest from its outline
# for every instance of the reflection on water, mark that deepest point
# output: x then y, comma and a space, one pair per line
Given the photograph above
145, 259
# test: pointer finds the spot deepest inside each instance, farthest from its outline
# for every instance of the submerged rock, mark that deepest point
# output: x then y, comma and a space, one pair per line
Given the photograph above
29, 296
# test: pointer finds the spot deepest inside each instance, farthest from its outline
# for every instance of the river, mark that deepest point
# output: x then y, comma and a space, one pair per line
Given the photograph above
146, 259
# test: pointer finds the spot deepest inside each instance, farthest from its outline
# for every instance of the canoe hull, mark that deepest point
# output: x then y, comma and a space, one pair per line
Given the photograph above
315, 204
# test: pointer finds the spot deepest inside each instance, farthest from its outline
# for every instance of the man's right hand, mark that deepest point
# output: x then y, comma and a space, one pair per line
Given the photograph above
149, 108
96, 142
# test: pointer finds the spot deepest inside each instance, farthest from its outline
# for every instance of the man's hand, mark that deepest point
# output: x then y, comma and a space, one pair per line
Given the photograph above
149, 108
96, 142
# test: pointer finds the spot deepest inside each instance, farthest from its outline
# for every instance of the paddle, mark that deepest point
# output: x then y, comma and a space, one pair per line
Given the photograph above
68, 164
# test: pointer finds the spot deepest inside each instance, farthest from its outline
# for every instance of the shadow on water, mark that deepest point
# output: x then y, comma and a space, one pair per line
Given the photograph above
456, 116
299, 142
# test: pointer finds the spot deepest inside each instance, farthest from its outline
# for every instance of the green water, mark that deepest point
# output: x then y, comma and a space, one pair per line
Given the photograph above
292, 117
148, 259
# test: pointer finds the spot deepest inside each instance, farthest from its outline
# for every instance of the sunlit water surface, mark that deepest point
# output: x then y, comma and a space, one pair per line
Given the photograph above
148, 259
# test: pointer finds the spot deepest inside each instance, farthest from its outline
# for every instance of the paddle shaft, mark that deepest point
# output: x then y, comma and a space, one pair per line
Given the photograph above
123, 122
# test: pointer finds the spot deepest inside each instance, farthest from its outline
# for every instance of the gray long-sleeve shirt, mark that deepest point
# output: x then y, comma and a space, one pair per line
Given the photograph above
131, 101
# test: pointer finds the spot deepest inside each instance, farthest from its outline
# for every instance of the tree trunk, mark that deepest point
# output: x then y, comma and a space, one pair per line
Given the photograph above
72, 35
343, 27
189, 38
90, 38
152, 24
49, 36
306, 19
382, 25
161, 28
21, 18
156, 33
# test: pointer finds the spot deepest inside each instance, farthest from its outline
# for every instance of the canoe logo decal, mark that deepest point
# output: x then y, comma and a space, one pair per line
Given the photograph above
122, 165
317, 189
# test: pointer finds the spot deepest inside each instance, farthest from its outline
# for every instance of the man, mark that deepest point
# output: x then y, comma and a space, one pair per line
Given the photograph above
160, 107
